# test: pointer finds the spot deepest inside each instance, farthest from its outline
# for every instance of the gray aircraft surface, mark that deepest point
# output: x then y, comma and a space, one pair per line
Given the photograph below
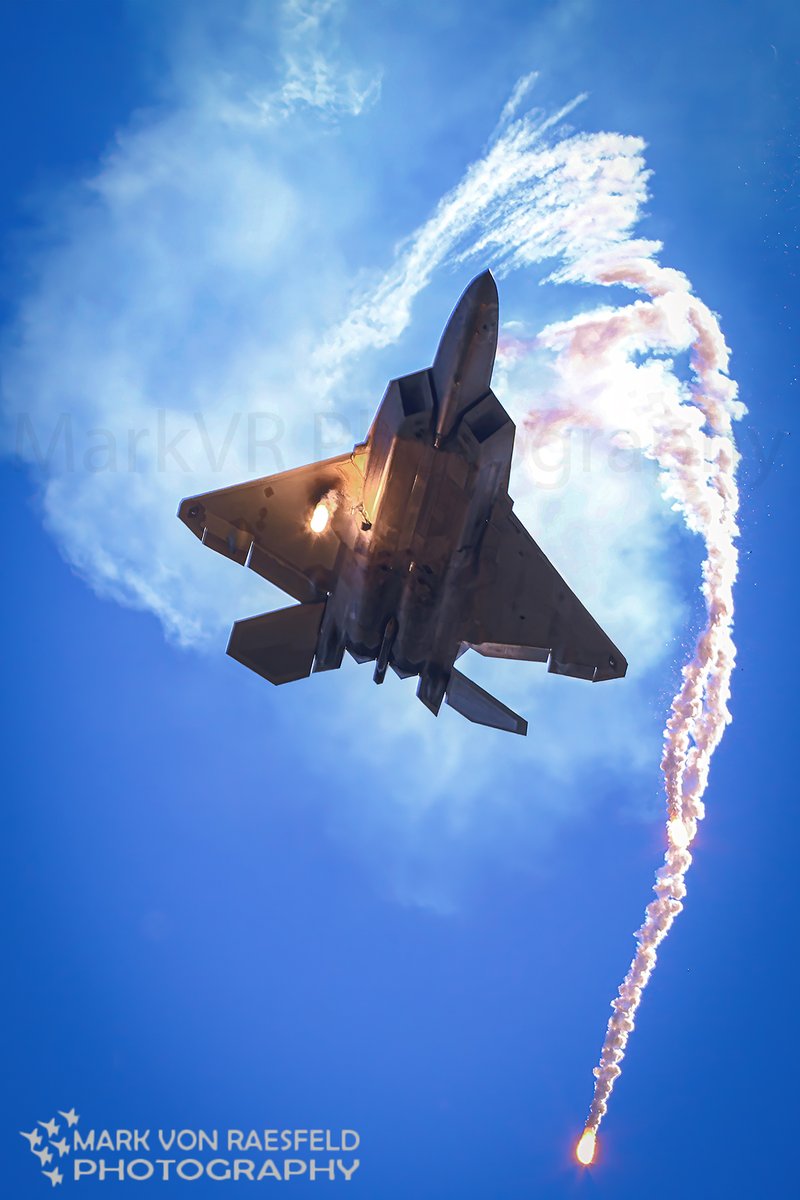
406, 551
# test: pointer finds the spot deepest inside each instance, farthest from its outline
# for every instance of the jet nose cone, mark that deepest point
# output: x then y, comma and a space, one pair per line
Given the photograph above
480, 308
462, 368
479, 294
482, 291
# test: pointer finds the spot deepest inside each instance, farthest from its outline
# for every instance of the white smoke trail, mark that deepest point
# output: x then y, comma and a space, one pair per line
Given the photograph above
687, 430
534, 194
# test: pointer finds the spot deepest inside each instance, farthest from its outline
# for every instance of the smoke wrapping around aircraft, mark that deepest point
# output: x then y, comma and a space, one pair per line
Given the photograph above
576, 200
533, 195
687, 430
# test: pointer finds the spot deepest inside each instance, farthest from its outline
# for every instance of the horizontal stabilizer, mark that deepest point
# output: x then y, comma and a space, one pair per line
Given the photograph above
477, 705
279, 646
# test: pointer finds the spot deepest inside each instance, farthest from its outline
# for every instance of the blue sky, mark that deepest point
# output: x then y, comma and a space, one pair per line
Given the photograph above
232, 906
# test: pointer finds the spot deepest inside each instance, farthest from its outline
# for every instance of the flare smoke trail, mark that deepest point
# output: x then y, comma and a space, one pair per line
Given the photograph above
687, 430
536, 194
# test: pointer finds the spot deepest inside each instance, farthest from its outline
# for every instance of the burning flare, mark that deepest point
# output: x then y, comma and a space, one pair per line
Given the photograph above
320, 518
584, 1151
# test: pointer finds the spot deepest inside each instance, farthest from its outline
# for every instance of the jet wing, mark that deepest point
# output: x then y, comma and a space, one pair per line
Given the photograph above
523, 609
265, 524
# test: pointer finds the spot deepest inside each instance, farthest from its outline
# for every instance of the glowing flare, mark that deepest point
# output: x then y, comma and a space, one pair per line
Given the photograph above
319, 518
584, 1151
678, 834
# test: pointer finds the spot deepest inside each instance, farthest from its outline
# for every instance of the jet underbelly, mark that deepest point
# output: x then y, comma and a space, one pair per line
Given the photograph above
383, 552
438, 528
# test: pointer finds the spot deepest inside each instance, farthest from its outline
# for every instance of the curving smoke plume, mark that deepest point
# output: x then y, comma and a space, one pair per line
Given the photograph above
155, 385
577, 201
686, 428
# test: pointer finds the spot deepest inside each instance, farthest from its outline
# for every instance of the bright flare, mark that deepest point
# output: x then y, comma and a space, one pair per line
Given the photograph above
584, 1151
319, 518
678, 834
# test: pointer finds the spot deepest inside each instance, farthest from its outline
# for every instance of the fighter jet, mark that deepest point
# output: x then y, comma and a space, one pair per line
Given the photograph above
407, 551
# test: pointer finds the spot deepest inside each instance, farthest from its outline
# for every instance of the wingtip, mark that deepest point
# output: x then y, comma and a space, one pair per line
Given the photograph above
616, 668
192, 512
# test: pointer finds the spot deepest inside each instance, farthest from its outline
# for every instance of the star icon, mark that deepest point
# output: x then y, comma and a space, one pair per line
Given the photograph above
51, 1127
61, 1147
34, 1137
44, 1156
70, 1117
54, 1176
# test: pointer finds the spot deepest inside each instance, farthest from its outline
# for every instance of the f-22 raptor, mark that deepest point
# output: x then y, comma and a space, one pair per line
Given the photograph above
406, 551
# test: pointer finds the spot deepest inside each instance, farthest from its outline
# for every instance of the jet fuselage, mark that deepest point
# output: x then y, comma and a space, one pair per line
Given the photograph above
405, 585
406, 552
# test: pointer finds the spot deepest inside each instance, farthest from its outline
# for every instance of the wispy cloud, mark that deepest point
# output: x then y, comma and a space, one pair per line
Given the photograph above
519, 92
494, 185
315, 74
